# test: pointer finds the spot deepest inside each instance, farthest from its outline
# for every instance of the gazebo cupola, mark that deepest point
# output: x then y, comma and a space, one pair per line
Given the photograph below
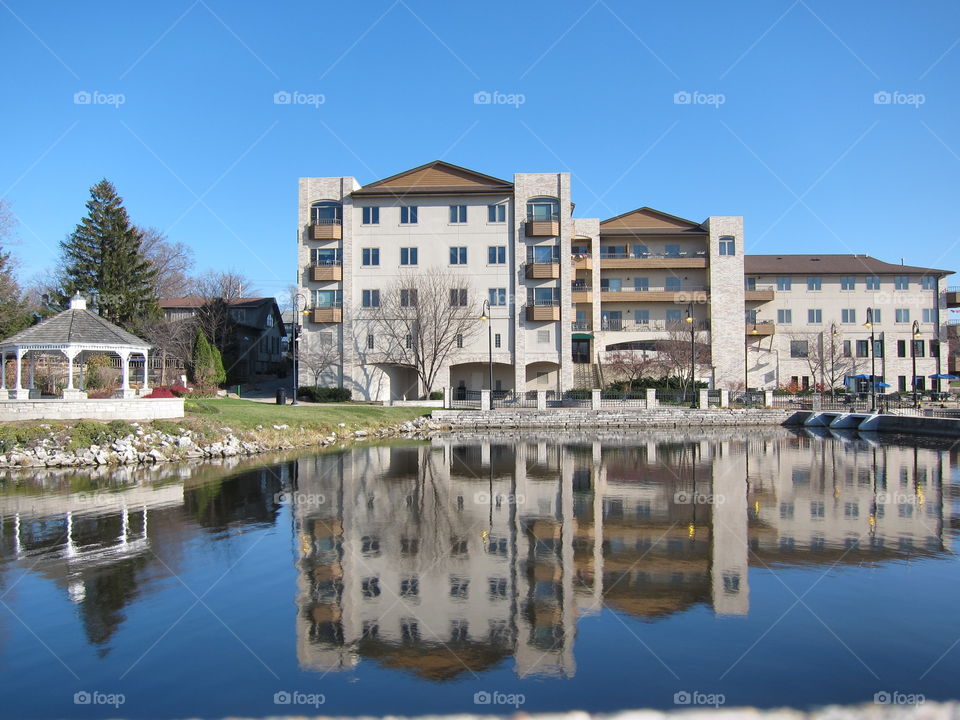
72, 332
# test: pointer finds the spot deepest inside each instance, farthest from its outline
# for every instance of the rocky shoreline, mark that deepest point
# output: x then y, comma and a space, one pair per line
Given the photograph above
148, 446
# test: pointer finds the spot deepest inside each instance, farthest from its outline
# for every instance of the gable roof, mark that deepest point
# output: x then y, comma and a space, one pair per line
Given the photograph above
195, 301
436, 178
77, 326
830, 265
647, 221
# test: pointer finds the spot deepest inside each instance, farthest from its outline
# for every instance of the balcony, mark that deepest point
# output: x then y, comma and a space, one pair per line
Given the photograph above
543, 313
326, 314
760, 293
654, 261
693, 294
763, 328
581, 262
581, 293
543, 271
326, 273
542, 228
954, 365
326, 229
953, 328
953, 297
580, 326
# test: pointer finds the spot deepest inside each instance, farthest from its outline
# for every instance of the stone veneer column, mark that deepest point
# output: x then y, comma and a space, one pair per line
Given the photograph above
727, 337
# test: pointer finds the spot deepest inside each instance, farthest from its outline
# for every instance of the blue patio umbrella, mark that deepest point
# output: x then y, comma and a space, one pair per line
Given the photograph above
944, 376
861, 377
882, 385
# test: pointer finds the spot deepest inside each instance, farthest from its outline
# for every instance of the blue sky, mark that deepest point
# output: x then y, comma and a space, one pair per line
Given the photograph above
785, 129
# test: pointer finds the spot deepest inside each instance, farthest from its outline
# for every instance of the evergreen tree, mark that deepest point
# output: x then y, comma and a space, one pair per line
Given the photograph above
204, 363
220, 374
104, 257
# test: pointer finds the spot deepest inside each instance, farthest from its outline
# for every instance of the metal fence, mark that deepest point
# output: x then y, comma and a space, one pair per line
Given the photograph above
677, 397
465, 399
613, 398
792, 402
747, 399
510, 399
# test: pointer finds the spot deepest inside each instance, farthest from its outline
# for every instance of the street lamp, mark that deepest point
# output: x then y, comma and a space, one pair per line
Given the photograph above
485, 317
299, 306
913, 357
693, 396
873, 362
833, 362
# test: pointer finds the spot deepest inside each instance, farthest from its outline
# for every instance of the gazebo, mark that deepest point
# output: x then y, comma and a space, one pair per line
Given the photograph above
71, 332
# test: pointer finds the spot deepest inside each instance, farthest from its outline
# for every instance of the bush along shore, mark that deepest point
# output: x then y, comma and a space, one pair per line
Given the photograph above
92, 444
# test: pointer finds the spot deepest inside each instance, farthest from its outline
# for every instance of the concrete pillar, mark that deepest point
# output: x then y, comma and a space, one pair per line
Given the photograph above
768, 398
146, 372
124, 391
19, 392
31, 371
651, 398
595, 399
541, 399
3, 377
70, 392
724, 398
817, 399
703, 400
485, 400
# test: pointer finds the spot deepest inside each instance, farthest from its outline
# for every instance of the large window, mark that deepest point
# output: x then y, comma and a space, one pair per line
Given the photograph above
496, 213
497, 254
408, 256
673, 284
873, 282
901, 282
458, 297
371, 216
863, 348
902, 315
325, 256
498, 296
814, 316
848, 282
370, 298
326, 212
541, 209
784, 316
673, 317
458, 213
641, 284
848, 315
408, 297
544, 254
784, 283
798, 348
327, 298
370, 257
814, 282
728, 246
408, 215
458, 256
928, 282
928, 315
544, 296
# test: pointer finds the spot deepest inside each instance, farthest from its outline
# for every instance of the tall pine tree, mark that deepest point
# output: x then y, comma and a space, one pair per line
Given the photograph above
104, 257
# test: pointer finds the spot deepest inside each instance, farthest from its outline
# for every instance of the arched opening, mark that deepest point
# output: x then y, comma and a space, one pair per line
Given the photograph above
326, 212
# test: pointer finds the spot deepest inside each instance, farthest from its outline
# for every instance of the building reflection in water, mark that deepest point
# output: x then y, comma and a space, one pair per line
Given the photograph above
455, 556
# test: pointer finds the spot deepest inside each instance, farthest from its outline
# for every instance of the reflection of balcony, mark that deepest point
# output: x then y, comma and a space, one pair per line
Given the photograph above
953, 297
582, 262
653, 261
759, 294
543, 271
693, 294
953, 328
326, 230
543, 313
329, 314
580, 293
542, 228
326, 273
764, 328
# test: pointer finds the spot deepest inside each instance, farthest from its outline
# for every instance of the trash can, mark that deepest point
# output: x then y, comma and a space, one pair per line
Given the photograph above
281, 396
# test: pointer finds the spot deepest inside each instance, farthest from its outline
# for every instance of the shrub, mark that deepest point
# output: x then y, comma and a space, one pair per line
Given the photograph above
436, 395
207, 362
98, 371
160, 392
312, 393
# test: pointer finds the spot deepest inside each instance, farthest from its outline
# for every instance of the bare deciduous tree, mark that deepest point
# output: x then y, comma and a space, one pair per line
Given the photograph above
421, 321
630, 365
173, 262
217, 289
674, 353
172, 340
318, 356
825, 359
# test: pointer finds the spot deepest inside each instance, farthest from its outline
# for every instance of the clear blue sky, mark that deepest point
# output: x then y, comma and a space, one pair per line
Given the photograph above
200, 150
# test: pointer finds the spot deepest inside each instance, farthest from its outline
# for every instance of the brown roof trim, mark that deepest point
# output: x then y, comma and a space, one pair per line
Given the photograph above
495, 183
421, 190
849, 264
653, 232
195, 301
645, 208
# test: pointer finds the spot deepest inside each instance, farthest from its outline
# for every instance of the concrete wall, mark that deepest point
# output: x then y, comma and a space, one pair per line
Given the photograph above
134, 409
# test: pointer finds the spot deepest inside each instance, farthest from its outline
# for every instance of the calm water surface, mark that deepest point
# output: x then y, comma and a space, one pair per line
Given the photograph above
597, 572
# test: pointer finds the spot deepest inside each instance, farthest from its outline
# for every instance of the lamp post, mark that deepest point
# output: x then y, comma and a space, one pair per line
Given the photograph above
485, 317
833, 362
299, 305
873, 362
915, 334
693, 361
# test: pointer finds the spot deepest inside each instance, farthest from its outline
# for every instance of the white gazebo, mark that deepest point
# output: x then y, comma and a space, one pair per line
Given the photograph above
72, 333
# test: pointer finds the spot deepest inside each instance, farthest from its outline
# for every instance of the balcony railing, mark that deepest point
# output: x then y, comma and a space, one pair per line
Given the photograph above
647, 255
332, 313
542, 270
953, 297
580, 293
326, 229
326, 271
542, 312
580, 325
672, 289
537, 227
653, 326
760, 327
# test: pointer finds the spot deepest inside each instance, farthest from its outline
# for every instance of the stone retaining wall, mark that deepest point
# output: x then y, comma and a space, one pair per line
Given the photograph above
567, 418
109, 409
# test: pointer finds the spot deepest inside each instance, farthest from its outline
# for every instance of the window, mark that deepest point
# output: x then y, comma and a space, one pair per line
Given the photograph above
929, 315
727, 246
458, 256
814, 282
873, 282
673, 284
326, 339
543, 296
498, 296
410, 587
901, 348
545, 254
928, 282
543, 337
901, 282
325, 256
847, 349
878, 348
371, 216
327, 298
408, 341
934, 348
848, 315
798, 348
370, 257
641, 284
408, 256
672, 251
902, 315
497, 254
918, 347
496, 213
408, 297
785, 316
458, 213
863, 348
543, 209
814, 317
642, 317
641, 251
875, 316
496, 340
848, 282
460, 340
369, 342
750, 316
326, 212
611, 284
458, 297
371, 298
749, 283
784, 283
674, 316
408, 215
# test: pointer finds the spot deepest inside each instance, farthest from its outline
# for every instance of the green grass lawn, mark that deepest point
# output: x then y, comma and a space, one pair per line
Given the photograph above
246, 414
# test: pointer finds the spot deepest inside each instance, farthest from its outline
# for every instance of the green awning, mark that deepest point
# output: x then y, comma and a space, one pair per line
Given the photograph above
582, 336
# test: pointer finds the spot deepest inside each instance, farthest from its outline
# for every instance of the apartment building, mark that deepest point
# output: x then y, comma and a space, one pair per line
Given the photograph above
562, 292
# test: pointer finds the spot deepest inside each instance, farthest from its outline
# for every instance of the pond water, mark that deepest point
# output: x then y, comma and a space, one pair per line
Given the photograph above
487, 574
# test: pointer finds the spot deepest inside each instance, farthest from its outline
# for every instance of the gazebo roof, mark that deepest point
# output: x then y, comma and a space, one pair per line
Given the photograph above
76, 326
